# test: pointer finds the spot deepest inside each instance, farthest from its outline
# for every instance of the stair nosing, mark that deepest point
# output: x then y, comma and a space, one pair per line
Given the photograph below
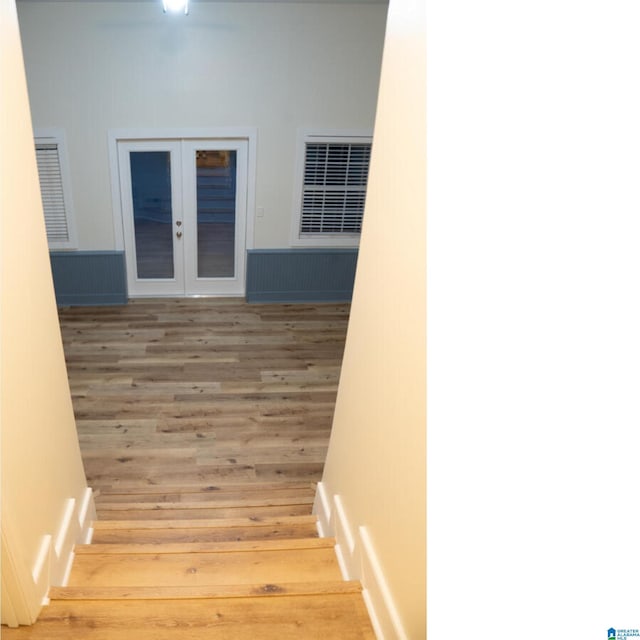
206, 591
195, 505
203, 523
125, 548
220, 488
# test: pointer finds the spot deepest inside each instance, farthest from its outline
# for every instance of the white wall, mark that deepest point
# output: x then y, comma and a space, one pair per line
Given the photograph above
373, 489
92, 66
46, 505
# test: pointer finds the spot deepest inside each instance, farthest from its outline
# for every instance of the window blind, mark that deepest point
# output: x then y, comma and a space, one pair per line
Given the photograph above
335, 185
51, 188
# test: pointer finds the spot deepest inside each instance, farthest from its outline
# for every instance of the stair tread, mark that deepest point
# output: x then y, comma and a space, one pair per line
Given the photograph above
208, 511
205, 547
329, 616
204, 591
260, 531
230, 567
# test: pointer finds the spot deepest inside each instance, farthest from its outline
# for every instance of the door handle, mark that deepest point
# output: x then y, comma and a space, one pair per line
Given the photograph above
179, 234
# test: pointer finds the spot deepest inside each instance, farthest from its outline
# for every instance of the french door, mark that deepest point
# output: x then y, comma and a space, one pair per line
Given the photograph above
184, 215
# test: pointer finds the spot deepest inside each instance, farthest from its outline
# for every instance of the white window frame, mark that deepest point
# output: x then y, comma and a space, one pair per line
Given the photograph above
57, 137
312, 135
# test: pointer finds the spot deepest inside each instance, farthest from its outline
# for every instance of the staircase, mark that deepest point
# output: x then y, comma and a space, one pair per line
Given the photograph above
207, 562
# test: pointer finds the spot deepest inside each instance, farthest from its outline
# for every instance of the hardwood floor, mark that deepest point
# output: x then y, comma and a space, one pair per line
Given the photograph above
191, 393
336, 616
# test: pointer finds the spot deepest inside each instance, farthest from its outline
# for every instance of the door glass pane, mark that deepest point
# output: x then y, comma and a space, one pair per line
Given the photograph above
151, 191
216, 202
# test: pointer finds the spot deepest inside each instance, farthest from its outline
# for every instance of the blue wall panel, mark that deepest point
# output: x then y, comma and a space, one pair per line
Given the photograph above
89, 277
273, 275
300, 275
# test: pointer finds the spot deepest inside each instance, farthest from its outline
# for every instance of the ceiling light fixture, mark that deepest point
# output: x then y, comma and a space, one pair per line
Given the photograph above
175, 6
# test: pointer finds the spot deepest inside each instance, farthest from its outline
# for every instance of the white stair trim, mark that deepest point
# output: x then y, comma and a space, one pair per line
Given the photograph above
75, 527
358, 561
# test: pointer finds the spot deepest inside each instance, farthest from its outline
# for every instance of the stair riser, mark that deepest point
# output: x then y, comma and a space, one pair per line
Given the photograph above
145, 536
174, 512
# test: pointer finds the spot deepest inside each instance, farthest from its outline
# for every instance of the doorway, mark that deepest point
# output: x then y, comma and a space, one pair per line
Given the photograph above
184, 214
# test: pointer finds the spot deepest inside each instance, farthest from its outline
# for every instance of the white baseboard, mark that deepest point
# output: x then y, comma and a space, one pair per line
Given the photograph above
378, 594
322, 509
74, 528
87, 511
358, 561
26, 578
67, 571
40, 572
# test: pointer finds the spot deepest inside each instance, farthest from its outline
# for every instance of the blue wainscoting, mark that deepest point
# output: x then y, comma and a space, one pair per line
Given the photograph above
300, 275
89, 277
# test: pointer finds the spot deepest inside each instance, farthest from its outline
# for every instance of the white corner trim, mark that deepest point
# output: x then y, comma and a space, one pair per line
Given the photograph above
358, 560
41, 569
65, 522
322, 509
342, 562
54, 559
88, 536
74, 528
87, 516
42, 558
87, 509
379, 598
373, 615
67, 571
347, 550
342, 526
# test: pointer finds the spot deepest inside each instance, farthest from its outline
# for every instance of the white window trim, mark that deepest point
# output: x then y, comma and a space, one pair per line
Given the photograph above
315, 134
57, 137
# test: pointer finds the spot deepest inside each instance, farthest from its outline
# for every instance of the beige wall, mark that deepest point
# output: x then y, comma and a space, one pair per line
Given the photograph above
93, 66
376, 460
41, 465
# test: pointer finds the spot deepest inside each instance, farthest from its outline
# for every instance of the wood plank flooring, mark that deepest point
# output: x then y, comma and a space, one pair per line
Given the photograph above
203, 427
195, 393
281, 617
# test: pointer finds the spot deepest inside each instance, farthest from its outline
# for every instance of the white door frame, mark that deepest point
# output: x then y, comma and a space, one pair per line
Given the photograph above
225, 286
248, 134
150, 286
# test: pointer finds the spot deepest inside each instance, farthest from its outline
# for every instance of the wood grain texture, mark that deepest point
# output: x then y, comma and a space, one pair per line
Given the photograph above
205, 547
191, 569
330, 617
192, 393
220, 591
102, 525
268, 529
